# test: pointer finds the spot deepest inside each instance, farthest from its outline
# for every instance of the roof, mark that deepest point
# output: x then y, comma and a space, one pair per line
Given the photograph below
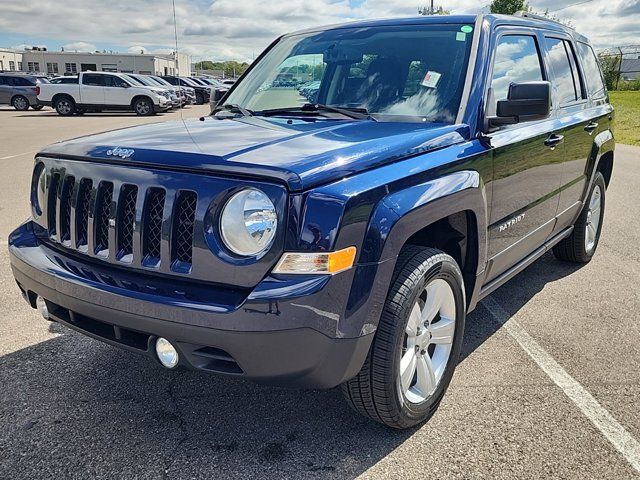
492, 19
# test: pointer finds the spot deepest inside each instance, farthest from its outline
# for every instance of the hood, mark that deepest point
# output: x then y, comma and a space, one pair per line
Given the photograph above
300, 153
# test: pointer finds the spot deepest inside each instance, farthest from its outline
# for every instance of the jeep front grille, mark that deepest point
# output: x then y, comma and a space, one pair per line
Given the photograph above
111, 221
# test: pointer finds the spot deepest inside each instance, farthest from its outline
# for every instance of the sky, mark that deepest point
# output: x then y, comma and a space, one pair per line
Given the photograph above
241, 29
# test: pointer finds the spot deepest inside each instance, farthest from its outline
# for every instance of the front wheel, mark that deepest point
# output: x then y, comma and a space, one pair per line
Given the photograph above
580, 246
143, 107
20, 102
416, 346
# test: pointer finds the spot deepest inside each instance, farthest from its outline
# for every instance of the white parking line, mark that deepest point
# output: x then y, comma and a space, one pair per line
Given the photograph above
622, 440
18, 155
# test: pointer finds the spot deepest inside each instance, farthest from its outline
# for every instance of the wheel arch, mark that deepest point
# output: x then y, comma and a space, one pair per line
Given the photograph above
58, 96
448, 213
140, 96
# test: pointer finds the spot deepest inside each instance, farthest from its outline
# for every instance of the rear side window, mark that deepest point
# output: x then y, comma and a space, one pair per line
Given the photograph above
22, 82
564, 83
592, 73
93, 79
517, 60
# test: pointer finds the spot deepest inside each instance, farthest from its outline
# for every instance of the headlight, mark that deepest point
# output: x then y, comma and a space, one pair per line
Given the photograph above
248, 222
39, 189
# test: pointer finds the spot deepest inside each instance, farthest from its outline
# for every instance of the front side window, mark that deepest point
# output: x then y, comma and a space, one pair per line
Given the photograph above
395, 73
563, 76
517, 59
592, 73
113, 81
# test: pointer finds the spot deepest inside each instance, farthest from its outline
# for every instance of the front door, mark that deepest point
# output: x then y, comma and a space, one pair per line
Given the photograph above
527, 160
116, 91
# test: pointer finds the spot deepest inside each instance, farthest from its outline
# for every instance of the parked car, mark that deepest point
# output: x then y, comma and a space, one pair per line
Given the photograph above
146, 81
337, 243
213, 83
104, 91
202, 92
20, 90
186, 93
68, 80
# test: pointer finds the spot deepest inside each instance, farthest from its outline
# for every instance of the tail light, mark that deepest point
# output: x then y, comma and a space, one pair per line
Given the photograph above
36, 90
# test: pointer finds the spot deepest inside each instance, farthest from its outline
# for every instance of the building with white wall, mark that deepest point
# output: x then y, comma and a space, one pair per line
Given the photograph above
68, 63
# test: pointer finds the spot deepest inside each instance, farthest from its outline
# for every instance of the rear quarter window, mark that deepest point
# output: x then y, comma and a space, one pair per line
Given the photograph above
591, 69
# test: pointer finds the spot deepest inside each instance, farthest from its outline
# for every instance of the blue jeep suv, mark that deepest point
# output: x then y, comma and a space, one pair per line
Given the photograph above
338, 242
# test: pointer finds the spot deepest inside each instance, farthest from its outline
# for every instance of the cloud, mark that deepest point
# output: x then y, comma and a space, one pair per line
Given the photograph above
241, 29
80, 47
137, 49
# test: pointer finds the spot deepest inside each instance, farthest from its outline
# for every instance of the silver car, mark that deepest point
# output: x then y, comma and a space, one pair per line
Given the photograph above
20, 90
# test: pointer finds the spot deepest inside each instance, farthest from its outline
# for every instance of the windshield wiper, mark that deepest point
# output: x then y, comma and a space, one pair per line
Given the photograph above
234, 108
350, 112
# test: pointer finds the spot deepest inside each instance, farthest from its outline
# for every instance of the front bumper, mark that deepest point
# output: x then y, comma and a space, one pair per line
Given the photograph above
207, 337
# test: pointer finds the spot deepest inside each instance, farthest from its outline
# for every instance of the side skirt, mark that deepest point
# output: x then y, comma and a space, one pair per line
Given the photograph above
524, 263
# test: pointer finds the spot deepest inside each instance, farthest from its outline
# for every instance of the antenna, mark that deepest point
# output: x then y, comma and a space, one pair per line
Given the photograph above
175, 36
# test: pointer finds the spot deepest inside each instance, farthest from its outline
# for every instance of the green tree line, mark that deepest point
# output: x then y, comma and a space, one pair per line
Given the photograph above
230, 67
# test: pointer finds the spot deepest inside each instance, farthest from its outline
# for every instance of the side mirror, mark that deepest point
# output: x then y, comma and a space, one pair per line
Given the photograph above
525, 102
216, 96
126, 85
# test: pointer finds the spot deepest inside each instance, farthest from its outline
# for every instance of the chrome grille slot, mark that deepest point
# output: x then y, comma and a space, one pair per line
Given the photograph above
182, 236
52, 200
104, 198
126, 221
66, 194
152, 226
83, 205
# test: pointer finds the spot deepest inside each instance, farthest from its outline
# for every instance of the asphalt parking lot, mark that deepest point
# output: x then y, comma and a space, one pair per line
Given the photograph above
548, 385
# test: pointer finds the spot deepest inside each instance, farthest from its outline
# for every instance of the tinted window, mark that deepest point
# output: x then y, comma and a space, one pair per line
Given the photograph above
113, 81
591, 70
93, 79
22, 82
517, 60
563, 83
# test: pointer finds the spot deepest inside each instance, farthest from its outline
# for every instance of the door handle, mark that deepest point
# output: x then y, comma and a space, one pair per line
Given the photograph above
554, 140
591, 127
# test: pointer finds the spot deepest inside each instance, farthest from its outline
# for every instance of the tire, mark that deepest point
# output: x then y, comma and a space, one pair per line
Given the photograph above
424, 277
143, 107
199, 98
581, 245
20, 102
65, 106
38, 107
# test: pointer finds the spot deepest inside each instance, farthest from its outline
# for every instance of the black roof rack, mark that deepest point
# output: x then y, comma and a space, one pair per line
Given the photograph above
522, 13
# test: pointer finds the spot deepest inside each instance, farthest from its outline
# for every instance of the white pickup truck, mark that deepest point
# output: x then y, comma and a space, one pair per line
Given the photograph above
97, 91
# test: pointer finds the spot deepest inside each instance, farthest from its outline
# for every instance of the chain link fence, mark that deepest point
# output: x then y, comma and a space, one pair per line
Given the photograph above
621, 67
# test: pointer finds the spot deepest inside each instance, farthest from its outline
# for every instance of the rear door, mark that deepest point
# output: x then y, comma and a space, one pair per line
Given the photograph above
92, 89
571, 109
5, 89
527, 157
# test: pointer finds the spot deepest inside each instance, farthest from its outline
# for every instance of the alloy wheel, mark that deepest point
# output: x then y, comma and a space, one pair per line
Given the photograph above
594, 216
428, 341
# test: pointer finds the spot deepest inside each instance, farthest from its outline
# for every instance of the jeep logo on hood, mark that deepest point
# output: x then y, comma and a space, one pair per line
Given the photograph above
120, 152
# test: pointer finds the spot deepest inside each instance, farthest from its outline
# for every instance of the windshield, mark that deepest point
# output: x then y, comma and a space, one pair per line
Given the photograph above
141, 80
161, 81
395, 73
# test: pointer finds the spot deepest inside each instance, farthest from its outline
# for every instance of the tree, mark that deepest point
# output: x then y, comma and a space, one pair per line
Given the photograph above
508, 7
610, 65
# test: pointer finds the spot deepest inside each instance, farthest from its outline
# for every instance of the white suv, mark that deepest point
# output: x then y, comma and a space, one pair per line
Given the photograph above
99, 91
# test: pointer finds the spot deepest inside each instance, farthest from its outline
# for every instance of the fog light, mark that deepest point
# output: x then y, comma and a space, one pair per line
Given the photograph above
166, 352
41, 305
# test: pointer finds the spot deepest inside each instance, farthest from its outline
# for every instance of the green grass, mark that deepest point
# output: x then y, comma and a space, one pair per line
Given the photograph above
627, 126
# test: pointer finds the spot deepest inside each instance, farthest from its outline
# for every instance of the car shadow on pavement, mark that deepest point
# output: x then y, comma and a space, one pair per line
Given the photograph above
74, 407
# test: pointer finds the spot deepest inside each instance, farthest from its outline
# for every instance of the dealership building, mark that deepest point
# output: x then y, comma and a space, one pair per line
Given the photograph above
70, 63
